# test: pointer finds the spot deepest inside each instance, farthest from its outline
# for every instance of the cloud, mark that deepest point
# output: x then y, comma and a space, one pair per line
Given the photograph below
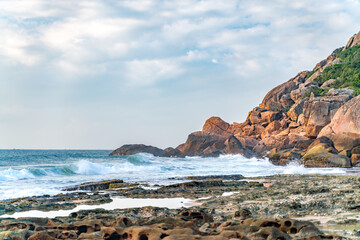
198, 56
149, 72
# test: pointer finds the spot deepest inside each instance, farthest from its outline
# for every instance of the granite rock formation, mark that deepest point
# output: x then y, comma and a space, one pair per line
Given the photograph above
293, 115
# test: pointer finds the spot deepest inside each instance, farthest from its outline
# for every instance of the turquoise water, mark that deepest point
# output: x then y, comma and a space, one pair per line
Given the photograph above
37, 172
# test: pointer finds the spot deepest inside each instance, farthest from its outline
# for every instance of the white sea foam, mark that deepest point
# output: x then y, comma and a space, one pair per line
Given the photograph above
35, 178
117, 203
11, 174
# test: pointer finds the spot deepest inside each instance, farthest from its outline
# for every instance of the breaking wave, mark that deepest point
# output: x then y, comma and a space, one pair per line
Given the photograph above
150, 166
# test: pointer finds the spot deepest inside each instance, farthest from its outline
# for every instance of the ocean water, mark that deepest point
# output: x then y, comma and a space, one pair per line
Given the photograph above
36, 172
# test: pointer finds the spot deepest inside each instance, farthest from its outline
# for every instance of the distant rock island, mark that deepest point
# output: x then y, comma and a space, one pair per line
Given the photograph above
313, 118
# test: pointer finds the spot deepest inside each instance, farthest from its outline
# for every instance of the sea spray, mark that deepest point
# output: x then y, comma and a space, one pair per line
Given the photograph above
36, 172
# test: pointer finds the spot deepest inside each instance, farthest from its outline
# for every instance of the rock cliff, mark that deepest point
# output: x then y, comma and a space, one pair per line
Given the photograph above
313, 118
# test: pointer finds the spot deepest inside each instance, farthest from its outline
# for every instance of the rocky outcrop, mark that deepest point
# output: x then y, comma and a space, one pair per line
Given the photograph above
326, 160
319, 111
216, 125
346, 120
202, 144
353, 41
158, 224
279, 97
94, 186
288, 122
131, 149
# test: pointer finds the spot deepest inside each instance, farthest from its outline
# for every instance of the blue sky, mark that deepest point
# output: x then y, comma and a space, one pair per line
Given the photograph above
98, 74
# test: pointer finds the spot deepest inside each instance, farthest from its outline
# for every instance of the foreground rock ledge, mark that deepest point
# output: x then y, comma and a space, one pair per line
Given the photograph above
257, 205
155, 224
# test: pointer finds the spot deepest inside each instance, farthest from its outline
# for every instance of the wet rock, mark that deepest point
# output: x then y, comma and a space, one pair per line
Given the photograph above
321, 145
172, 152
243, 213
234, 146
131, 149
217, 177
355, 160
201, 144
92, 186
345, 141
326, 160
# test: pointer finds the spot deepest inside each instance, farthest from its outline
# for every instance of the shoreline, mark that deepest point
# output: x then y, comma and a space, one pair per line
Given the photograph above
328, 201
116, 203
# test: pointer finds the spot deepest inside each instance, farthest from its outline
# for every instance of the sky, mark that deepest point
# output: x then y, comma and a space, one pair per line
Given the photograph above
98, 74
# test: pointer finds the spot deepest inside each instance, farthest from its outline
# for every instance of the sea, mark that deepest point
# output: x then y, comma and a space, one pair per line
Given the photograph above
25, 173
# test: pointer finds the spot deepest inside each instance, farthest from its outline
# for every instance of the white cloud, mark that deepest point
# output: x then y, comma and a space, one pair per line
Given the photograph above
149, 72
195, 55
88, 48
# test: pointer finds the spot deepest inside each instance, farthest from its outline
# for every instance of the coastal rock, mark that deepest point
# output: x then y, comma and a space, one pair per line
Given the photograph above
234, 146
341, 91
216, 125
273, 141
319, 112
326, 160
270, 116
279, 96
304, 88
254, 117
321, 145
248, 142
131, 149
94, 186
202, 144
172, 152
346, 120
290, 117
283, 157
345, 141
327, 84
296, 110
355, 160
271, 128
353, 41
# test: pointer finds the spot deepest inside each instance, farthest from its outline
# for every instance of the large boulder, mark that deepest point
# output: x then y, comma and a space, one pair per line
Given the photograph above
319, 111
345, 141
130, 149
234, 146
321, 145
202, 144
279, 96
296, 110
248, 142
326, 160
304, 88
216, 125
346, 120
271, 128
172, 152
353, 41
327, 84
